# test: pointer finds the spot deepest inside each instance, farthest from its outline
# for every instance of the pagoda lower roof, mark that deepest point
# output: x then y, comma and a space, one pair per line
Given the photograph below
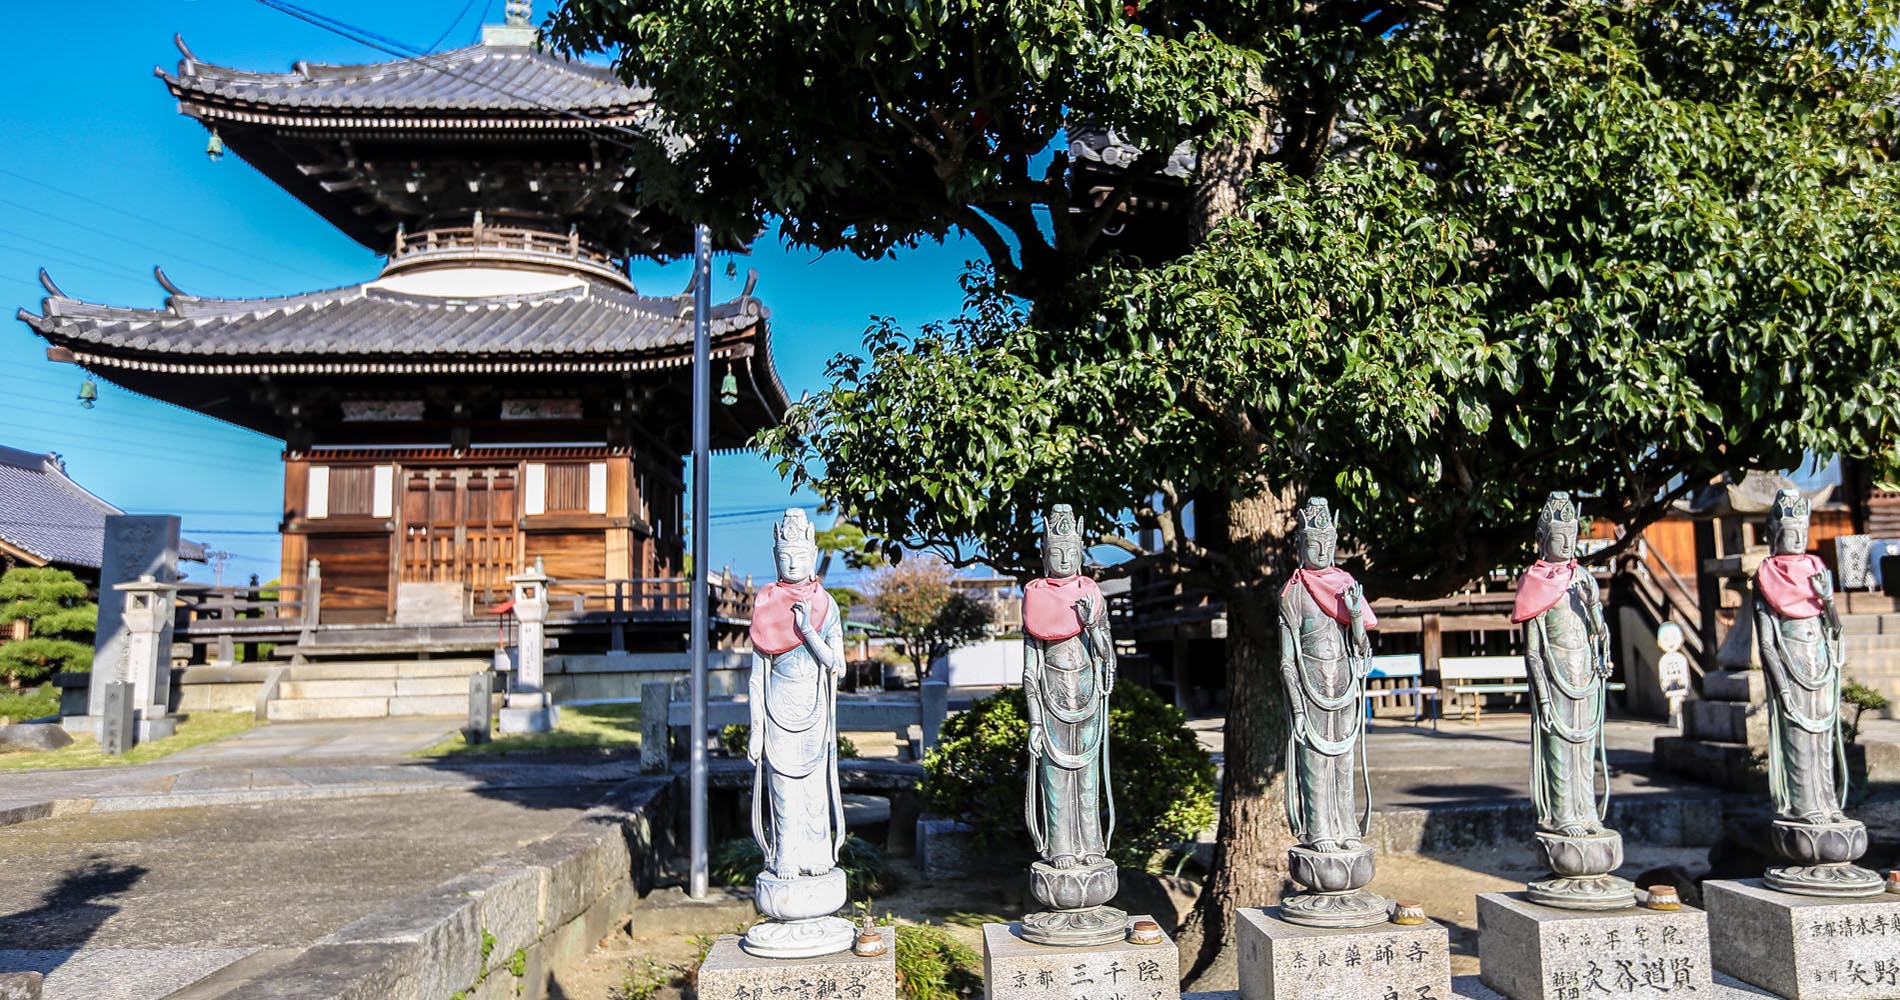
588, 326
515, 81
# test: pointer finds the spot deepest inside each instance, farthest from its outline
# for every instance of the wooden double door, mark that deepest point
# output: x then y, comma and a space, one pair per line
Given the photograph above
458, 523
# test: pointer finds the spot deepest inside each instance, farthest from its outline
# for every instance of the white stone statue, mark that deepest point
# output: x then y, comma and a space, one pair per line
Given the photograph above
797, 813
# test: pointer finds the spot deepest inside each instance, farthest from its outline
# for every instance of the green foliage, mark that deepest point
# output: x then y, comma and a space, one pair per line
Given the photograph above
1163, 779
24, 661
733, 738
33, 703
932, 965
1860, 698
871, 125
848, 540
644, 979
738, 862
60, 621
1620, 248
518, 963
918, 602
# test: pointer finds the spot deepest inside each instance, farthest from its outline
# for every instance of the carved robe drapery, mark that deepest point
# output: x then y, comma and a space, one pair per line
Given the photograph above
797, 812
1802, 661
1066, 681
1562, 654
1324, 679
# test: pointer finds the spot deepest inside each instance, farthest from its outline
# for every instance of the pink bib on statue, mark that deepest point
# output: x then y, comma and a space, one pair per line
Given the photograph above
1328, 587
1783, 582
774, 631
1049, 606
1541, 587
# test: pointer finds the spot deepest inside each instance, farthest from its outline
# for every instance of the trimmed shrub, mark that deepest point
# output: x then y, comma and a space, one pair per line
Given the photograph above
1163, 778
734, 738
932, 965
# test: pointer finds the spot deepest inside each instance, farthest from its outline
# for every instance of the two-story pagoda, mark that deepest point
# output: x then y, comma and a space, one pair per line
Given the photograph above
500, 392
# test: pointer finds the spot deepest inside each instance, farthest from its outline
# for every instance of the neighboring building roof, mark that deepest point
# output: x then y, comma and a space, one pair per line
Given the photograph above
52, 519
46, 515
520, 81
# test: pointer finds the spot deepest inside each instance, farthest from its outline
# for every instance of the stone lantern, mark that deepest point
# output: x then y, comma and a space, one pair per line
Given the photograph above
529, 709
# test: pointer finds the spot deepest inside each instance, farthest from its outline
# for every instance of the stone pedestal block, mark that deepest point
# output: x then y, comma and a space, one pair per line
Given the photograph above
731, 974
529, 712
1532, 952
1749, 686
1014, 969
155, 727
1805, 947
1726, 722
1285, 961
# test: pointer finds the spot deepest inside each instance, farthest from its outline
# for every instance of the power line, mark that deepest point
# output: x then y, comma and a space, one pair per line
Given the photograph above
121, 238
161, 224
390, 46
439, 39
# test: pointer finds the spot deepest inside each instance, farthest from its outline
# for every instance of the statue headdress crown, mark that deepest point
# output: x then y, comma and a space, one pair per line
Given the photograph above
1316, 518
1789, 505
1559, 509
1061, 522
794, 531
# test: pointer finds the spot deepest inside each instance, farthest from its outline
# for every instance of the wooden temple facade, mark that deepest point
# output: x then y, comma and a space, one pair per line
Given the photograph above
500, 393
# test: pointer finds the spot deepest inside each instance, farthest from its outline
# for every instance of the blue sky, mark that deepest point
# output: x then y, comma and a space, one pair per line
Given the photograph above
106, 179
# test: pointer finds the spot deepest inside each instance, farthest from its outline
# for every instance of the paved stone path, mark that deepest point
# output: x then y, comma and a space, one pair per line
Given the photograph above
1417, 767
219, 862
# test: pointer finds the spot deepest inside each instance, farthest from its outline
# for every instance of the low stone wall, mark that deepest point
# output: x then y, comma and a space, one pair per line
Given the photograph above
618, 676
493, 933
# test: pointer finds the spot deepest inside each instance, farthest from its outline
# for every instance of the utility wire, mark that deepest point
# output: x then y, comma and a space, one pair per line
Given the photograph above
439, 39
401, 50
250, 255
122, 238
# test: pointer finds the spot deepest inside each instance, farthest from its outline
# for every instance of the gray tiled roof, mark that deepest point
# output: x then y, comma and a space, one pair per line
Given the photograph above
46, 513
480, 77
363, 321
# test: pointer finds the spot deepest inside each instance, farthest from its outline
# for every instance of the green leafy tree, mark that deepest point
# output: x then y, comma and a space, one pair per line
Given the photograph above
918, 602
1440, 259
60, 622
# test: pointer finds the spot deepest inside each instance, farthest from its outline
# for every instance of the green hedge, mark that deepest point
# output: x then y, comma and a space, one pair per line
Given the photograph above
1163, 778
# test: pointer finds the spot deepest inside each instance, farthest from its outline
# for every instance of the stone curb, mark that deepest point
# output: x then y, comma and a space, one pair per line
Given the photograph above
492, 931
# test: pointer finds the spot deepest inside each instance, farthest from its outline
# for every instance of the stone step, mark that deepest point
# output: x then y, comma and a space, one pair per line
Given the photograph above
1726, 722
380, 687
1879, 624
308, 709
380, 669
433, 704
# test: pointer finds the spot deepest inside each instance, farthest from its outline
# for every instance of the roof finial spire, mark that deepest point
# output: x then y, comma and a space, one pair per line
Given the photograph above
517, 27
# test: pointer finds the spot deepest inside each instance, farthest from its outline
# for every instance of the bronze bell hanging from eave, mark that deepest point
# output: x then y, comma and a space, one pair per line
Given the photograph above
214, 147
729, 387
88, 393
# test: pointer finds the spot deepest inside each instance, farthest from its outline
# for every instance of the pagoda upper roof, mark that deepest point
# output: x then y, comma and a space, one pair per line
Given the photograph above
585, 326
512, 81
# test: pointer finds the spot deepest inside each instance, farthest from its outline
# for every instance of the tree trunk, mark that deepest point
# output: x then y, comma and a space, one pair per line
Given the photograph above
1250, 848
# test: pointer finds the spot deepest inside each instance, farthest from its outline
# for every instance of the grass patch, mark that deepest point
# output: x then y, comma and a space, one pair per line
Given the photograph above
597, 728
30, 703
195, 729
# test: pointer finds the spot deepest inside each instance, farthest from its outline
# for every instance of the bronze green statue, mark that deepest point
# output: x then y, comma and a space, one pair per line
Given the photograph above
1567, 660
1798, 631
1068, 672
1325, 652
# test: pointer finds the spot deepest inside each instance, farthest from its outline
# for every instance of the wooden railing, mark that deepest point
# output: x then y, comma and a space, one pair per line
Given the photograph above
578, 598
484, 240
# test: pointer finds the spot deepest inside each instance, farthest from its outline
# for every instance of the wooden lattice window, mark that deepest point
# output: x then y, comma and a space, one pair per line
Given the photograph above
567, 487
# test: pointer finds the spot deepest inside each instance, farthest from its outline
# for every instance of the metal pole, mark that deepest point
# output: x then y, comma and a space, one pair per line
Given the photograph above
701, 616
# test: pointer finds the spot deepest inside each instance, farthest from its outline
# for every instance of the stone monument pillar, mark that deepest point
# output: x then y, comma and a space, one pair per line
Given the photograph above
797, 811
135, 546
1817, 926
1068, 673
146, 615
1567, 659
1324, 655
529, 709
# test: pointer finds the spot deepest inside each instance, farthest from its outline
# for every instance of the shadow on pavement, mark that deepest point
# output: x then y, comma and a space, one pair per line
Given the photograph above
44, 937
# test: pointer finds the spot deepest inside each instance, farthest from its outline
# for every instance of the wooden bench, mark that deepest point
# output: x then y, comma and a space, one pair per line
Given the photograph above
1402, 667
1494, 674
